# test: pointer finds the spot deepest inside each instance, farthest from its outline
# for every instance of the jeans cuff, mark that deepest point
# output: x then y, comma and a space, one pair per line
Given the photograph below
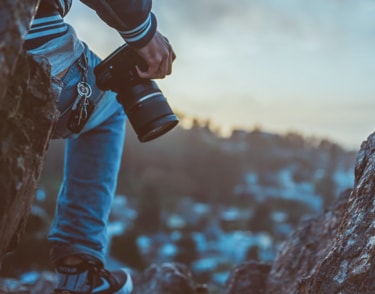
61, 251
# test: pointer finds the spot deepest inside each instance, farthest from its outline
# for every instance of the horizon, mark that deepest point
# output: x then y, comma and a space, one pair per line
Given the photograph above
281, 66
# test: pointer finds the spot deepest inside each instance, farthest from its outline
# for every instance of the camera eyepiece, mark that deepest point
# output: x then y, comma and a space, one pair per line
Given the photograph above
145, 105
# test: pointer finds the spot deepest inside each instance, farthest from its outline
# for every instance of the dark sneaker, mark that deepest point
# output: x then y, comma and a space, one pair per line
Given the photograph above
91, 278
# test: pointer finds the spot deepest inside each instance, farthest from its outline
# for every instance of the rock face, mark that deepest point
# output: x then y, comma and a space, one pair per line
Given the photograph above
27, 116
300, 256
15, 19
332, 253
349, 266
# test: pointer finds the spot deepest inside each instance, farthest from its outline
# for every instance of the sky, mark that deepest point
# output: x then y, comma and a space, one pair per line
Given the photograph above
305, 66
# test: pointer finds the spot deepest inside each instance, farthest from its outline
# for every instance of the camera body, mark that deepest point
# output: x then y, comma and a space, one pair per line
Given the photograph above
145, 105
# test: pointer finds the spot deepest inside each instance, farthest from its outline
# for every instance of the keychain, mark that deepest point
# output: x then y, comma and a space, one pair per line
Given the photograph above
82, 108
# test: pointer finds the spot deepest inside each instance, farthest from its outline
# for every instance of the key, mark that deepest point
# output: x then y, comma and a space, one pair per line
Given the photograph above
82, 108
83, 90
80, 115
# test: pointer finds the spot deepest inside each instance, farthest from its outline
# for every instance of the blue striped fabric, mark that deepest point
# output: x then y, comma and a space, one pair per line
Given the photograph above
44, 29
140, 35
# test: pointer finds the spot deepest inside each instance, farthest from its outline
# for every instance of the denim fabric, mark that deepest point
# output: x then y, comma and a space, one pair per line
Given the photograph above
92, 162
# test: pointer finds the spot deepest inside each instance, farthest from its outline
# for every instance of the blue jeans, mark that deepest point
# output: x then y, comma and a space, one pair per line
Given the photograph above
92, 163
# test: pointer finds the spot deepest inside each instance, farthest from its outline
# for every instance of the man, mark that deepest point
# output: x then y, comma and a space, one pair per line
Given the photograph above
94, 141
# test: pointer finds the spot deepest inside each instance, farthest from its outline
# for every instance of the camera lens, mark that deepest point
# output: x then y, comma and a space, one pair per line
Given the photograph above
145, 105
147, 109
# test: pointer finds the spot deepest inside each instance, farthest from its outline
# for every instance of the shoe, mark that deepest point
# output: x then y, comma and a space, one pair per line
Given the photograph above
91, 278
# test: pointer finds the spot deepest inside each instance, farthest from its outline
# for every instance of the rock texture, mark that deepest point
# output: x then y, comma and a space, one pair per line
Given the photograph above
15, 20
248, 278
305, 249
168, 278
27, 117
349, 266
27, 113
332, 253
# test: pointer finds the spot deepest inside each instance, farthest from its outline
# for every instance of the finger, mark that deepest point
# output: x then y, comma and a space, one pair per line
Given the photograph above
144, 74
154, 72
170, 61
160, 64
164, 67
170, 49
166, 39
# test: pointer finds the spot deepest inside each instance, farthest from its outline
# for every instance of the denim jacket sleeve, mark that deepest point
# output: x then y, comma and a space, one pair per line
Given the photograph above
133, 19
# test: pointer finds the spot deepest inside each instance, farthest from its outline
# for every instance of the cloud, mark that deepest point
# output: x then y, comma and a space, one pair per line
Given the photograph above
311, 24
327, 19
242, 61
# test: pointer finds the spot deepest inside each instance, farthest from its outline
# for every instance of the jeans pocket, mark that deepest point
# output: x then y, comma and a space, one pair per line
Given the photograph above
57, 87
81, 70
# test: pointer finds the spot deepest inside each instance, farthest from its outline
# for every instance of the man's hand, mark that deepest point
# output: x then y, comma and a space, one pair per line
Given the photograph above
159, 56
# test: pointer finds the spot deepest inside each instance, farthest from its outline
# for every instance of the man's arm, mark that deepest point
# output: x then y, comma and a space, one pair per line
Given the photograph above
133, 19
136, 23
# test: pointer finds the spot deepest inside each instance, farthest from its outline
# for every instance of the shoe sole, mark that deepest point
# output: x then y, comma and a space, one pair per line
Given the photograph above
128, 287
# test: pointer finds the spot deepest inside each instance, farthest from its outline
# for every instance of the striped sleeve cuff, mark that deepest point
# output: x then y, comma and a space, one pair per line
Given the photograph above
139, 36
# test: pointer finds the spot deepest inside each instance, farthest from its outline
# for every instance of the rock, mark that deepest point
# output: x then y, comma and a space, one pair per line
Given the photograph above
27, 116
248, 278
15, 20
349, 265
308, 245
331, 253
167, 278
35, 283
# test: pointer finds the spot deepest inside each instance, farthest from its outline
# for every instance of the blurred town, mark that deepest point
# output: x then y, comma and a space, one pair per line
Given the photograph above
195, 197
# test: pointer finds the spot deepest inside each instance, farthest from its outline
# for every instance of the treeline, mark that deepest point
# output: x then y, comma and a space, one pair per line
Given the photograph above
199, 163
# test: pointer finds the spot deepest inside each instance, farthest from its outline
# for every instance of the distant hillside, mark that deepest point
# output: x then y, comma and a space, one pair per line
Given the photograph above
199, 163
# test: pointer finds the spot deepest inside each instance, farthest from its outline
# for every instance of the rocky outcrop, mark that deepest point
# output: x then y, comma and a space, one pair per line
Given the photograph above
332, 253
349, 265
27, 117
309, 244
15, 21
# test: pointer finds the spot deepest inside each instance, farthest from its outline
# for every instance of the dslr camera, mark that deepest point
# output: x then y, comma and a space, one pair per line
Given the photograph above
145, 105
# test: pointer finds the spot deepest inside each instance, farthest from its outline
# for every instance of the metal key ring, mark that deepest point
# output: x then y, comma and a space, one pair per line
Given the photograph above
84, 89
